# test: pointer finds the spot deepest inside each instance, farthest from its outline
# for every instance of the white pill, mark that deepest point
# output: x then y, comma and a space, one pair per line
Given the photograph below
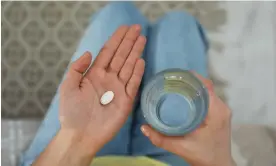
107, 97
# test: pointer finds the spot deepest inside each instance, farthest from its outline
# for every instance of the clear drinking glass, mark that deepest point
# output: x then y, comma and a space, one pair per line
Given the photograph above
174, 102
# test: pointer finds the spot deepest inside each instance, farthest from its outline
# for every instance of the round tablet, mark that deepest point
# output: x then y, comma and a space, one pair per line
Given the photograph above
107, 97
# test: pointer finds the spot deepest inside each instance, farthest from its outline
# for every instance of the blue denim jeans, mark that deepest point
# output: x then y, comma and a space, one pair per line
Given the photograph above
174, 41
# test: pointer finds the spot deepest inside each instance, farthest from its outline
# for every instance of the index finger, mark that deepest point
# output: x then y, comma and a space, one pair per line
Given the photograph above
218, 112
207, 83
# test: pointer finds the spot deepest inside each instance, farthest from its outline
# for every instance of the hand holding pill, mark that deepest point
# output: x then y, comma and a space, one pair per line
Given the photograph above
95, 102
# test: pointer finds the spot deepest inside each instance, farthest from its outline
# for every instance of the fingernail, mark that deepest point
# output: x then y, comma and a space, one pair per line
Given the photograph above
145, 132
143, 38
87, 53
137, 27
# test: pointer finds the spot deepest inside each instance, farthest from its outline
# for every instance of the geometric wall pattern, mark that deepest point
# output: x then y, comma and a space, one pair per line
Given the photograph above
39, 38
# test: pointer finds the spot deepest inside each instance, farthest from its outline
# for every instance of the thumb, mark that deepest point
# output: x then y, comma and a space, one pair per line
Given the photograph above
155, 137
76, 70
169, 143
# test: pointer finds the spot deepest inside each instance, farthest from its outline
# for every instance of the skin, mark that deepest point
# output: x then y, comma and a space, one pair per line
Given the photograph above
208, 145
86, 125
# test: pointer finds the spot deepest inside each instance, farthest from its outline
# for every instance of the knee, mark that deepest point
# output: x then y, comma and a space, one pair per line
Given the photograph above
124, 5
117, 10
179, 18
179, 23
115, 14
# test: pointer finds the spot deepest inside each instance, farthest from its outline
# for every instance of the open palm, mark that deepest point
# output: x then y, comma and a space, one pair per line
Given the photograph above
117, 68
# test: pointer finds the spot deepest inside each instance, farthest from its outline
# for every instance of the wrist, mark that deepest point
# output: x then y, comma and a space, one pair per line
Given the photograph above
77, 141
232, 163
67, 148
213, 162
229, 162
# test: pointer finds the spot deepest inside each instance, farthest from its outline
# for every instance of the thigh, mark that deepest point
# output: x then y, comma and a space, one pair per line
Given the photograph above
97, 33
175, 41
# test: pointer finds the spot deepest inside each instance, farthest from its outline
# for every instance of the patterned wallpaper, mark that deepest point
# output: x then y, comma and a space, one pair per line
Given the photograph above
39, 38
